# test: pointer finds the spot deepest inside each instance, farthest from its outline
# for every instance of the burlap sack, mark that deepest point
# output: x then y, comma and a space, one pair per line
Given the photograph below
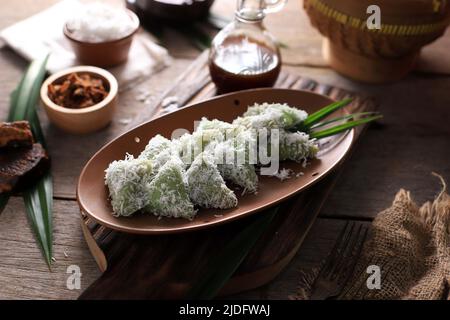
411, 245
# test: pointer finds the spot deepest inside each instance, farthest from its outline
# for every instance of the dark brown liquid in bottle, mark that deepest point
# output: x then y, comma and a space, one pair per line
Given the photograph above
243, 63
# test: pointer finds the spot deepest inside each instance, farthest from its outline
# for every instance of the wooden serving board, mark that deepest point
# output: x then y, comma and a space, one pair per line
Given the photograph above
166, 266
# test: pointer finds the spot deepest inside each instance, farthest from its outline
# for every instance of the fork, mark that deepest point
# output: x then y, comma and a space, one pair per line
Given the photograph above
340, 262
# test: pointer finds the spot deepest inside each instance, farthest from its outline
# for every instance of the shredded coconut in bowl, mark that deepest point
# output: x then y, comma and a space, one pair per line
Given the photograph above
98, 22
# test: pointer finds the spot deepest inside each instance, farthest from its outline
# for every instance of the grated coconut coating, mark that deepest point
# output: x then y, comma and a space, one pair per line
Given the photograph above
127, 182
155, 146
271, 116
189, 146
158, 182
297, 146
159, 151
206, 124
243, 175
168, 194
242, 171
206, 186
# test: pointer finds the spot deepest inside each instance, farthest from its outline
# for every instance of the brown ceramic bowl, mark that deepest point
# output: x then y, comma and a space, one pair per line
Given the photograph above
377, 55
85, 120
92, 194
103, 54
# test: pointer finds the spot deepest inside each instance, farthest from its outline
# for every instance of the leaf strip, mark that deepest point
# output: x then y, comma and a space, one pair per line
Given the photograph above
324, 112
342, 127
354, 116
39, 197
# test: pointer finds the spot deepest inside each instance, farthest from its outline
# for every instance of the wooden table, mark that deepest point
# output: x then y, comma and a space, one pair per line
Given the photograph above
412, 141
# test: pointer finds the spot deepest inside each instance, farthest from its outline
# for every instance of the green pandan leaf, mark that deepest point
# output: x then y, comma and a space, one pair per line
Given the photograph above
342, 127
354, 116
324, 112
38, 197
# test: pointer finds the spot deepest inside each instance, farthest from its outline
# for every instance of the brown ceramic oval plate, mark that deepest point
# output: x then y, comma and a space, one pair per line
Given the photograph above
92, 194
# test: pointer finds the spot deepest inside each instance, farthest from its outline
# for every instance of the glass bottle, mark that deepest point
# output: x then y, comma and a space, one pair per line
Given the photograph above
244, 54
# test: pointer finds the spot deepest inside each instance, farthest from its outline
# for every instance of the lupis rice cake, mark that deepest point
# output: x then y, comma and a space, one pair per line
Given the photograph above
170, 178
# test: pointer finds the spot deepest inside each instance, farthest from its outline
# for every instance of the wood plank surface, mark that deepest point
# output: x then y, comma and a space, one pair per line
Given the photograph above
413, 141
24, 274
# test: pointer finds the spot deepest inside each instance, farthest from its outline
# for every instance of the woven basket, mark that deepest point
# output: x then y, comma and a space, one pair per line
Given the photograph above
383, 55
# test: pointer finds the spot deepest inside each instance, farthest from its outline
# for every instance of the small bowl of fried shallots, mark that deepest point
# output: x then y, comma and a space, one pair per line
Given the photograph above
81, 99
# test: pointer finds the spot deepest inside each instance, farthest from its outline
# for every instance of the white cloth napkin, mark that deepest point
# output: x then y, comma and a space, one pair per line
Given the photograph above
42, 33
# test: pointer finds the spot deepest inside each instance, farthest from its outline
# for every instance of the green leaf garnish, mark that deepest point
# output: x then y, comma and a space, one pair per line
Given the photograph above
38, 205
38, 197
323, 113
25, 97
343, 127
353, 116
